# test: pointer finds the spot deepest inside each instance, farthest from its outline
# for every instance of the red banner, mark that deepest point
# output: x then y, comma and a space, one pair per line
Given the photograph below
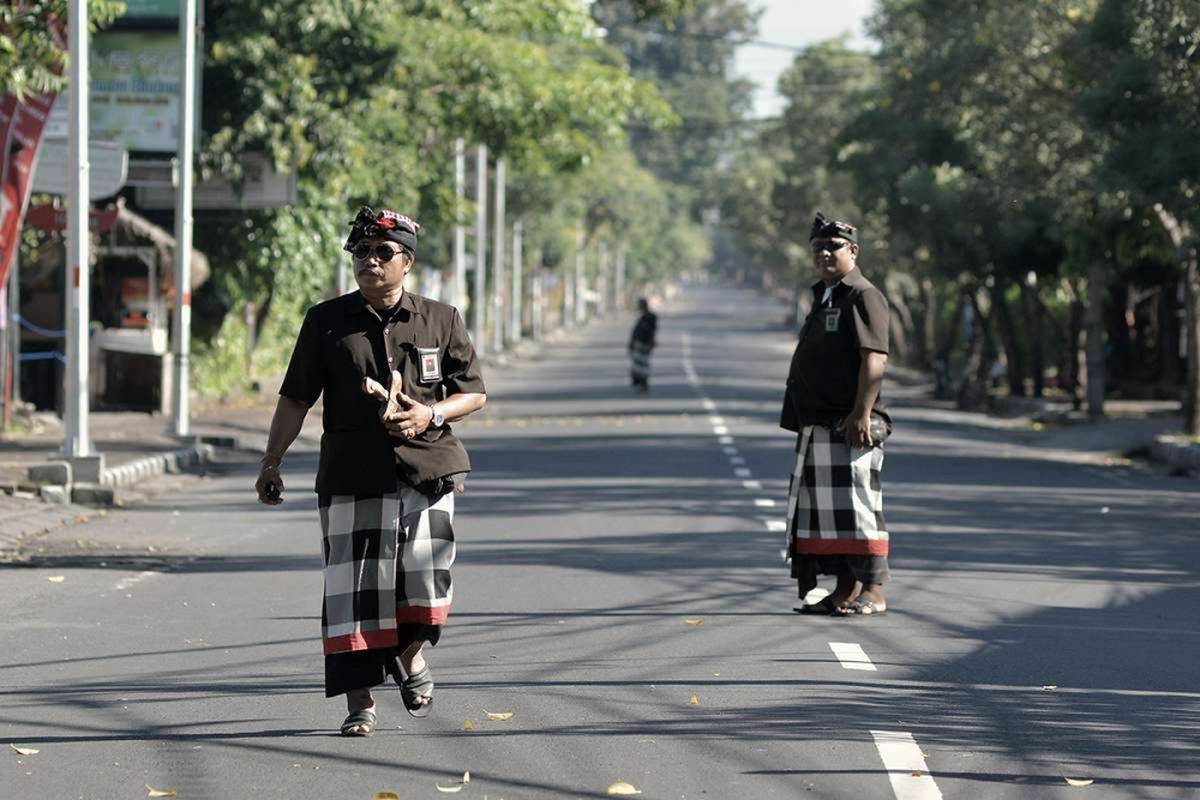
21, 126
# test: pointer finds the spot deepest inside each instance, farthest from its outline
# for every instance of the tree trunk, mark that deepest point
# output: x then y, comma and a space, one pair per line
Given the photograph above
944, 382
929, 324
1008, 336
1074, 353
1094, 326
969, 396
1168, 367
1189, 259
1032, 307
900, 324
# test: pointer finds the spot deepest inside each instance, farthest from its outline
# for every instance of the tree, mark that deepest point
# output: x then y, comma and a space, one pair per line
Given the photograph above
33, 56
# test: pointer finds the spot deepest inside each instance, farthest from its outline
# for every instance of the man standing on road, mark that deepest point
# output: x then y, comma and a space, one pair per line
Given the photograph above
388, 470
641, 344
835, 503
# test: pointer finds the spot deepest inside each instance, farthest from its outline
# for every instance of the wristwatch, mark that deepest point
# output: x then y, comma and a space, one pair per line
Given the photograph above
438, 420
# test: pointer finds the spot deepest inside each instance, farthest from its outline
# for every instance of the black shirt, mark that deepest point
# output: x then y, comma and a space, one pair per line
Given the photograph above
822, 384
344, 340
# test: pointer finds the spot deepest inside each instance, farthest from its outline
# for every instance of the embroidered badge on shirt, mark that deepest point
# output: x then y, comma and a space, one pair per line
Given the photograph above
832, 317
431, 364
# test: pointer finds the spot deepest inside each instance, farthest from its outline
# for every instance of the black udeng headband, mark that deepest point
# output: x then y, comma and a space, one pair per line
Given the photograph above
387, 225
825, 228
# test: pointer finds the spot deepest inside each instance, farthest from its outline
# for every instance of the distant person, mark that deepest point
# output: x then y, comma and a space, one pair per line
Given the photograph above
835, 520
641, 344
395, 369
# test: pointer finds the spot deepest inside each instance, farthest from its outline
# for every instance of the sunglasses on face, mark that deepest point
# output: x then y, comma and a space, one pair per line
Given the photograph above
832, 245
383, 252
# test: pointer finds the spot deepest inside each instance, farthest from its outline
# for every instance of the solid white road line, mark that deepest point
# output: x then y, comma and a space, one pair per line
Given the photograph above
852, 656
764, 502
906, 766
754, 486
742, 472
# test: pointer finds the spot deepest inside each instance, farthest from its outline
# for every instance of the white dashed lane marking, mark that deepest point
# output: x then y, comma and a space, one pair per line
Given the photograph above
725, 440
720, 430
730, 451
852, 656
764, 502
754, 486
905, 765
742, 472
775, 524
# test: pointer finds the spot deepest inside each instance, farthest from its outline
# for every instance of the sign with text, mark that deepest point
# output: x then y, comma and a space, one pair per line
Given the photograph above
151, 9
108, 166
135, 90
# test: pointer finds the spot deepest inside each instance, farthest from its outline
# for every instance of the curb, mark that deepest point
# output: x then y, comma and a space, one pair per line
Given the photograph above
150, 466
1177, 453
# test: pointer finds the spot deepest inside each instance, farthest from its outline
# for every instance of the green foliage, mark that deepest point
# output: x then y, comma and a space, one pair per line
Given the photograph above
33, 48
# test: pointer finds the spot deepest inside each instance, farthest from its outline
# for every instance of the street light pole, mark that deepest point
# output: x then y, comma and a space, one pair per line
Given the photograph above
479, 301
183, 217
498, 260
76, 441
460, 233
514, 329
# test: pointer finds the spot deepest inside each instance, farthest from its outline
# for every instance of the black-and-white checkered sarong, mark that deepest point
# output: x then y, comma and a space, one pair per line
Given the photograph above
639, 360
387, 561
835, 500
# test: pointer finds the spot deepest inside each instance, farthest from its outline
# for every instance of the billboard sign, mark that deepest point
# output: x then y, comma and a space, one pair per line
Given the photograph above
21, 127
135, 90
108, 168
151, 9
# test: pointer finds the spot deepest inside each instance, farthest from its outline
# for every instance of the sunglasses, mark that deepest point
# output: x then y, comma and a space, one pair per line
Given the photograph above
832, 245
383, 252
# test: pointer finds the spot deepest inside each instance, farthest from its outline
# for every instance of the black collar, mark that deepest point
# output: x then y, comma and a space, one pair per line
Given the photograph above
851, 280
359, 305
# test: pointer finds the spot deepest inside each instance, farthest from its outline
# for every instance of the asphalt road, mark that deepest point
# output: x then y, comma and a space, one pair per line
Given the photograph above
1043, 625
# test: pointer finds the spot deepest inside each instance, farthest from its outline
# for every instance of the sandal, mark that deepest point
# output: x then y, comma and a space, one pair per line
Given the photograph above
825, 606
418, 684
359, 723
862, 608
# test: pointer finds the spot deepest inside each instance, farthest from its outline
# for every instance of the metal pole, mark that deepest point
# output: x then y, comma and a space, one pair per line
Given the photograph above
535, 297
498, 287
343, 277
602, 284
568, 304
14, 317
76, 442
183, 217
479, 301
619, 301
518, 280
580, 278
459, 296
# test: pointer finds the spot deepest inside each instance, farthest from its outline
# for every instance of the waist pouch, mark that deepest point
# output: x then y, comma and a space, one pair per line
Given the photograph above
444, 485
881, 428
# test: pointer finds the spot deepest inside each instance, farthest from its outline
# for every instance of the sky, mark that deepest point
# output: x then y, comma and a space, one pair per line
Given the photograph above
797, 23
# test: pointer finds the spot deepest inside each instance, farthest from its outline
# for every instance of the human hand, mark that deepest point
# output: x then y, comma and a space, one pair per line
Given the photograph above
269, 485
857, 426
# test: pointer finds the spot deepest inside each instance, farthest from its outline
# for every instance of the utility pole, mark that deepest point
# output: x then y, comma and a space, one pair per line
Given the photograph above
518, 295
602, 284
620, 301
76, 442
460, 233
580, 277
13, 308
537, 312
498, 287
479, 301
568, 298
183, 217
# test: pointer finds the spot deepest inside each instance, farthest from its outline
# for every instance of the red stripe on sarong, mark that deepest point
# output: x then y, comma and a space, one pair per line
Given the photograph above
842, 547
429, 616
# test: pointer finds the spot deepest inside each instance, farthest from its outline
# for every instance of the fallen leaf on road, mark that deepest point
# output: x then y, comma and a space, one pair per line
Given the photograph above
694, 621
24, 751
56, 578
622, 788
466, 777
159, 792
386, 796
498, 716
916, 773
1079, 781
646, 741
1050, 687
1037, 426
1105, 509
468, 726
716, 674
695, 701
452, 789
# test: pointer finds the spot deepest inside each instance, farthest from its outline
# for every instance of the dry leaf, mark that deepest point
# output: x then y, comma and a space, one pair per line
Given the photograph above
694, 621
695, 701
159, 792
716, 674
468, 726
646, 741
498, 716
622, 788
1050, 687
386, 796
466, 777
56, 578
1079, 781
24, 751
916, 773
451, 789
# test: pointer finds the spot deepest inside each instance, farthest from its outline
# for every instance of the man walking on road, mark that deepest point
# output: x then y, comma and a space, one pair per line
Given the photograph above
835, 520
641, 344
395, 369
